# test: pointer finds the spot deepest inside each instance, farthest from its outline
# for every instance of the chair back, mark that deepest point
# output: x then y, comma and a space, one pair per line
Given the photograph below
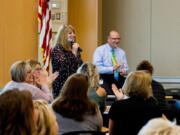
173, 92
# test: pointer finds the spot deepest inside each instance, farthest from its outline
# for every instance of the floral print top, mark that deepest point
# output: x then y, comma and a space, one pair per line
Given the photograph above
64, 62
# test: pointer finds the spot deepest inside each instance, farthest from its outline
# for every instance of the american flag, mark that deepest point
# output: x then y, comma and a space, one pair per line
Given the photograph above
45, 32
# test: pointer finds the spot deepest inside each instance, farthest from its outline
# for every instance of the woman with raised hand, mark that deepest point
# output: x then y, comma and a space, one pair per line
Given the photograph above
127, 116
38, 73
22, 79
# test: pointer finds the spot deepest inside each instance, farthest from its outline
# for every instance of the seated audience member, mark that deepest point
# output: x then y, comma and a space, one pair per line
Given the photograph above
16, 113
169, 110
95, 92
111, 62
39, 72
45, 120
36, 71
159, 126
74, 110
157, 88
22, 79
126, 117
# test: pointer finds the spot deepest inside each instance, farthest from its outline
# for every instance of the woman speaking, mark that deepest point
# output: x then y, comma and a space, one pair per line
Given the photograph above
65, 56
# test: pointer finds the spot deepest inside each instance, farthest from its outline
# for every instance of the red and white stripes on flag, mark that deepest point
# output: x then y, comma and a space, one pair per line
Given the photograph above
45, 32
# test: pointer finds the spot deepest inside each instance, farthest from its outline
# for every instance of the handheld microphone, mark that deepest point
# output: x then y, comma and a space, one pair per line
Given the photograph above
79, 49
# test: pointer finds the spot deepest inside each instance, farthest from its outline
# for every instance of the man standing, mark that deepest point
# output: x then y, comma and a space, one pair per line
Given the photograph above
111, 62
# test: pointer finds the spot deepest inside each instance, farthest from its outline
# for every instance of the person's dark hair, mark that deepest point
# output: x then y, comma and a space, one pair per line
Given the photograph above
145, 65
16, 113
73, 101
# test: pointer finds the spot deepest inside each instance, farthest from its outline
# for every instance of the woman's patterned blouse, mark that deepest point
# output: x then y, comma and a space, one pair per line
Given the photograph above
64, 62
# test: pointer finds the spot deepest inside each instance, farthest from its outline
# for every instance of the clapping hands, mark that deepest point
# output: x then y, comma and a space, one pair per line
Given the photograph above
117, 92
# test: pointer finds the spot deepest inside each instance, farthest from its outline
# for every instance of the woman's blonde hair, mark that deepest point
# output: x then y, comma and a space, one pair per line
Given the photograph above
45, 119
160, 126
62, 38
138, 84
90, 70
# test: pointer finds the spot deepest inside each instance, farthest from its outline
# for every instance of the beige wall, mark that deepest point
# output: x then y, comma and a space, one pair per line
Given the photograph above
18, 32
131, 19
19, 35
85, 16
149, 29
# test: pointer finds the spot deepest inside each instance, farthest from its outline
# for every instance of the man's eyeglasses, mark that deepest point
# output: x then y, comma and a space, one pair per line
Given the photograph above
115, 38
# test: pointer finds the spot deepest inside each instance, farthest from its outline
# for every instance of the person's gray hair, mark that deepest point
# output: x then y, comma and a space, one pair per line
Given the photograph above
18, 71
